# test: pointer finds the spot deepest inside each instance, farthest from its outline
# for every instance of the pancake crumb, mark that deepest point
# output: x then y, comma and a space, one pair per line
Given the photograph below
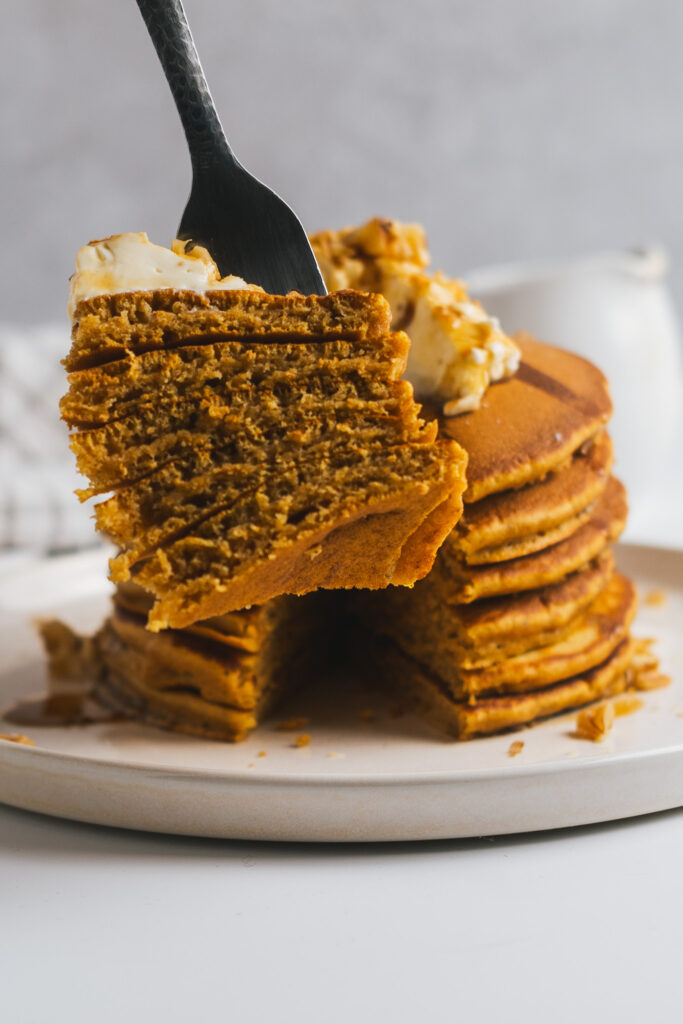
303, 740
335, 753
515, 748
17, 737
651, 680
293, 724
627, 705
644, 658
655, 598
595, 723
71, 658
645, 673
261, 753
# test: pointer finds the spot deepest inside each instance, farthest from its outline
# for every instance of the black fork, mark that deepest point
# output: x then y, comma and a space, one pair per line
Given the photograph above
248, 230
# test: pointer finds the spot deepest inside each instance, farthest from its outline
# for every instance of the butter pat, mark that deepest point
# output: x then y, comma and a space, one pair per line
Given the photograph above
456, 350
130, 263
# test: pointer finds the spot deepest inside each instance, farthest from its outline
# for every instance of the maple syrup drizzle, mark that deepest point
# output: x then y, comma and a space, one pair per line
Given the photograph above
58, 709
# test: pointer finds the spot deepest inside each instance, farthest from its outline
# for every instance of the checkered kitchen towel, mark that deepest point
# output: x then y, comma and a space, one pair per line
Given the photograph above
38, 509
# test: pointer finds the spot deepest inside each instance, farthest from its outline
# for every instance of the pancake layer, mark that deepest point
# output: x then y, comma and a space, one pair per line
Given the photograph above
548, 565
517, 522
465, 720
216, 679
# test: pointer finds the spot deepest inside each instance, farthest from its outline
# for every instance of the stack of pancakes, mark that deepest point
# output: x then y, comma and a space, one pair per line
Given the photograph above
523, 614
255, 447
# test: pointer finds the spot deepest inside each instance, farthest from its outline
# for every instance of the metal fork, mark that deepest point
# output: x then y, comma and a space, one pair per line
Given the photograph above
248, 229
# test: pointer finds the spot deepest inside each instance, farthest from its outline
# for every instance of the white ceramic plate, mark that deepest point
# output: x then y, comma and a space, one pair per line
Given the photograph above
387, 778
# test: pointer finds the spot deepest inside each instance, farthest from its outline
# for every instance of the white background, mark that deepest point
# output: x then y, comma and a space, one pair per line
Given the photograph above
107, 926
511, 129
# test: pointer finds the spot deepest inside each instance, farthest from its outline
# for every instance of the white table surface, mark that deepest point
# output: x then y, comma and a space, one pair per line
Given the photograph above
105, 926
98, 925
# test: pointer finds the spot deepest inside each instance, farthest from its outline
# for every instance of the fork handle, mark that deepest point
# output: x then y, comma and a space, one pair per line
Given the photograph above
167, 25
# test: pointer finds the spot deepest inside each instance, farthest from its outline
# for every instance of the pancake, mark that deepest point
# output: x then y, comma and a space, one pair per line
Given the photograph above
522, 616
358, 551
590, 641
529, 425
431, 627
235, 629
218, 678
548, 565
534, 542
500, 627
169, 661
434, 636
125, 692
517, 522
166, 318
464, 720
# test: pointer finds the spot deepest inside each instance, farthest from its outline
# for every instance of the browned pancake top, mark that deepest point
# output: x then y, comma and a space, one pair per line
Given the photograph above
529, 424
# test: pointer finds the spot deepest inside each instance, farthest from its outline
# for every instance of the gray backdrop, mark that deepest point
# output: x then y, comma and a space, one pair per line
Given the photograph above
509, 129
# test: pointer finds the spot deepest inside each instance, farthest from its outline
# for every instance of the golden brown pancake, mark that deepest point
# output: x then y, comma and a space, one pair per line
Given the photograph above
533, 422
547, 566
430, 626
125, 691
435, 637
517, 522
464, 720
523, 615
235, 629
589, 642
534, 542
358, 549
500, 627
217, 679
170, 661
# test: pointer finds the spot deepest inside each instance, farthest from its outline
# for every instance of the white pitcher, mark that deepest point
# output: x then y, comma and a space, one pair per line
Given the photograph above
614, 308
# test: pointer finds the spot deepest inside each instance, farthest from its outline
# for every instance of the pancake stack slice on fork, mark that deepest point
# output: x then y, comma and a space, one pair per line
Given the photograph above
256, 445
523, 615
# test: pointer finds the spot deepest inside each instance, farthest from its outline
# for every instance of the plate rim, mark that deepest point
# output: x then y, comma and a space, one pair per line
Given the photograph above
18, 754
10, 750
